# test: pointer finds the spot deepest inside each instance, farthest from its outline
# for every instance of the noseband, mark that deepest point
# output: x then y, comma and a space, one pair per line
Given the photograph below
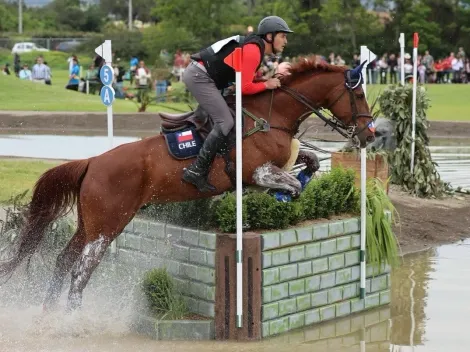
348, 131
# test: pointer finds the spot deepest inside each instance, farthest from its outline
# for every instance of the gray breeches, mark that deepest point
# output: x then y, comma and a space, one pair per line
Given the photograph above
203, 88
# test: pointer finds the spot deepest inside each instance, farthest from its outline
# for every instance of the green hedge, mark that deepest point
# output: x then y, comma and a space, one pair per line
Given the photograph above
332, 193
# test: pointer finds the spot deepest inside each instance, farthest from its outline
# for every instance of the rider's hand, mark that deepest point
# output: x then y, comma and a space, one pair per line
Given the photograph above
272, 83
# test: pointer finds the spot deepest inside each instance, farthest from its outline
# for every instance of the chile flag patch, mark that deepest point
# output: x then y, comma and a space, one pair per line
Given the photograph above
183, 144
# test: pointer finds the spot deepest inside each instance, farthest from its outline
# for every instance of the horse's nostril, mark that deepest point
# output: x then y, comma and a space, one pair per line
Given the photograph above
370, 138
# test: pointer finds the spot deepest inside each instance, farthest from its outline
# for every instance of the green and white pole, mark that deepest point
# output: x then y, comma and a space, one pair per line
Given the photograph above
369, 56
234, 60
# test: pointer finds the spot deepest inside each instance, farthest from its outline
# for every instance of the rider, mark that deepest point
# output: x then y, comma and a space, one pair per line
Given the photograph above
207, 75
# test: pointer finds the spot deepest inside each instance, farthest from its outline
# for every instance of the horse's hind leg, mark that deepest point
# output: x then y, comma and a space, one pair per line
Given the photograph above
85, 265
271, 176
64, 263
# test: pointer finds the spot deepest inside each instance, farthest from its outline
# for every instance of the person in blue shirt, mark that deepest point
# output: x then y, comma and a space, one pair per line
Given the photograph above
133, 68
74, 78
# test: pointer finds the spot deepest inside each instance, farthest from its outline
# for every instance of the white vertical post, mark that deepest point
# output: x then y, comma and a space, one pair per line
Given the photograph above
362, 252
234, 60
20, 16
368, 55
239, 161
104, 50
130, 17
413, 111
401, 40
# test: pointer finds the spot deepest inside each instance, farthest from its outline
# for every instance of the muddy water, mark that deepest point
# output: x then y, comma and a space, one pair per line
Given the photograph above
429, 312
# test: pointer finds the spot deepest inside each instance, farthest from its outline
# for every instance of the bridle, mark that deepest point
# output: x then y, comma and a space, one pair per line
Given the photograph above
350, 85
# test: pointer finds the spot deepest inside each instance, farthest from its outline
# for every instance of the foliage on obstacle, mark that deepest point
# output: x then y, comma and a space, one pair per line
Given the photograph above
396, 104
163, 298
382, 244
331, 194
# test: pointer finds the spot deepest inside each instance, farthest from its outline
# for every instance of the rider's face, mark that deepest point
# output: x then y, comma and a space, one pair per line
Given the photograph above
280, 41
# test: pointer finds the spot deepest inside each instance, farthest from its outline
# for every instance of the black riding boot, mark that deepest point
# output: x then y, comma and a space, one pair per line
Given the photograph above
198, 171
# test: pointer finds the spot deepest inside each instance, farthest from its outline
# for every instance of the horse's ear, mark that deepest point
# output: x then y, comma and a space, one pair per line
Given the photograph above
355, 73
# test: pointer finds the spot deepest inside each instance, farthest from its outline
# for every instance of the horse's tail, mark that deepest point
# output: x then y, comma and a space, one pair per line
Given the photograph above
54, 195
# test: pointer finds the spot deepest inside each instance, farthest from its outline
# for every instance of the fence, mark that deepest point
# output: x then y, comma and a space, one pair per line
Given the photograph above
62, 44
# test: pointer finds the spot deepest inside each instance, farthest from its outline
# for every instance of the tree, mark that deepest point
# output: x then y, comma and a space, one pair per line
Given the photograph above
207, 20
8, 20
141, 9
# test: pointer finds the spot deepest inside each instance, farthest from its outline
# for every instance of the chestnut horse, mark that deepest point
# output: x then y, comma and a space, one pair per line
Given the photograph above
110, 188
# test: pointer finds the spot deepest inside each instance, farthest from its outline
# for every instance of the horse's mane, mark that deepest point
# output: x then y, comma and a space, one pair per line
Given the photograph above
312, 64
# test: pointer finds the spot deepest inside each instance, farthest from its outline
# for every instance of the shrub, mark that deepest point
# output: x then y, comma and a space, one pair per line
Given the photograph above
332, 193
164, 300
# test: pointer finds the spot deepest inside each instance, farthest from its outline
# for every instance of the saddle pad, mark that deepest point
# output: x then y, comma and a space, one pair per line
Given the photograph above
183, 144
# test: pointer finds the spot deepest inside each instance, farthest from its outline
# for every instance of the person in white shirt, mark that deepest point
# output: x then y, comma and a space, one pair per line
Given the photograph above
142, 76
142, 80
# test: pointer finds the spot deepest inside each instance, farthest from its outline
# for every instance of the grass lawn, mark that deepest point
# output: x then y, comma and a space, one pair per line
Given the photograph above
448, 101
27, 96
17, 176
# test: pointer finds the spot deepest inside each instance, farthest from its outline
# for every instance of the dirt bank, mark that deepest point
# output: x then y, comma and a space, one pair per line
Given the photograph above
425, 223
148, 123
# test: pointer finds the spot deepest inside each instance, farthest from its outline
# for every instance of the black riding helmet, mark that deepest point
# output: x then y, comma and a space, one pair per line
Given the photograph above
272, 24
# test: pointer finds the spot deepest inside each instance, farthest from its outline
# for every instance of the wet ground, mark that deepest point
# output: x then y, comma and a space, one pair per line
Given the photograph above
428, 312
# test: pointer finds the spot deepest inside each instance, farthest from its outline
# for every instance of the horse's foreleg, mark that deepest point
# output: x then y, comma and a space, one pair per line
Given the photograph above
64, 263
85, 265
271, 176
310, 159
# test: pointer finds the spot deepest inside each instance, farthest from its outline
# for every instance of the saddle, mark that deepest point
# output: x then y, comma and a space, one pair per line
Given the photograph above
197, 119
185, 134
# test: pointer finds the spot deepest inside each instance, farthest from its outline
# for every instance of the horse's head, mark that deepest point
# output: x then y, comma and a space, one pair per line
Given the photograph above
348, 104
317, 84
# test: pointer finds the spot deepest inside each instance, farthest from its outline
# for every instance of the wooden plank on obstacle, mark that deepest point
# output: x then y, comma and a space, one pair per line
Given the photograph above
225, 291
374, 168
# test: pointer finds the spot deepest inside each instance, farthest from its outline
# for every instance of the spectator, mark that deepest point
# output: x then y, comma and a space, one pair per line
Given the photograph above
178, 65
428, 62
383, 68
48, 74
40, 71
393, 66
142, 78
17, 64
133, 67
6, 69
25, 73
356, 62
74, 78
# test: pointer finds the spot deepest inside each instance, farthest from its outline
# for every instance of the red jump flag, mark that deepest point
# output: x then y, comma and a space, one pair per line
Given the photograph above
234, 60
415, 40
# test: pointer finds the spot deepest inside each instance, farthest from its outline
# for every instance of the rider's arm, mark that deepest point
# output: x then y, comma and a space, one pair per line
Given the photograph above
250, 62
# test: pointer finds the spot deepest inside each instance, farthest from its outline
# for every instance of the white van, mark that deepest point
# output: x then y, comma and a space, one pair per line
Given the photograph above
26, 47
